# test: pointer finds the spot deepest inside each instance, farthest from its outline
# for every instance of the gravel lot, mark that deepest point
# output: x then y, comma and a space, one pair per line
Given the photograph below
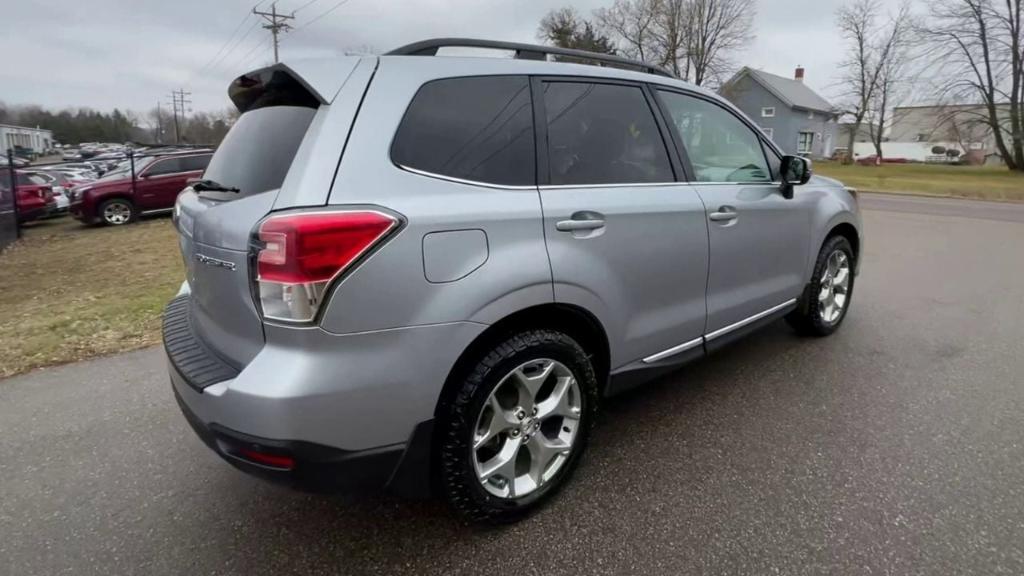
894, 447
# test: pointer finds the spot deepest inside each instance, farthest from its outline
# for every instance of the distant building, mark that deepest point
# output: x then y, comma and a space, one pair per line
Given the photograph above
25, 141
963, 126
787, 111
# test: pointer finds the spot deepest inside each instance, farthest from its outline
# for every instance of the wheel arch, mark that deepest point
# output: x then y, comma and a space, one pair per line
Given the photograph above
575, 321
848, 231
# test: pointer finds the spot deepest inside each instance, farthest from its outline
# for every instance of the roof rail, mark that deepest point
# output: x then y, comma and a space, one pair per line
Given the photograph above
524, 52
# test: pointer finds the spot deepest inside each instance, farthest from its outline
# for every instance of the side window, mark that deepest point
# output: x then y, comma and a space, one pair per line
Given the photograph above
477, 128
165, 166
720, 146
193, 163
603, 134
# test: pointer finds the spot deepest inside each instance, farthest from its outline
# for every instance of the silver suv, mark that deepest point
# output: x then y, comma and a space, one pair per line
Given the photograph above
423, 273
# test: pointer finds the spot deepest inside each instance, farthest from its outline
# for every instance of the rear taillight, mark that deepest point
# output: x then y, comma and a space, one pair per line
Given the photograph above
301, 253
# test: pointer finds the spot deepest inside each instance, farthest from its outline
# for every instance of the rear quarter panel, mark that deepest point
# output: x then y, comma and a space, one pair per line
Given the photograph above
391, 289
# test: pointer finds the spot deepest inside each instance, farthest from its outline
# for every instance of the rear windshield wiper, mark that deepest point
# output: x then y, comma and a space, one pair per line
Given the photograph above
212, 186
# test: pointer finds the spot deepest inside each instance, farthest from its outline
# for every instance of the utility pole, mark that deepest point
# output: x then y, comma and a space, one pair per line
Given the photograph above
275, 23
159, 124
178, 101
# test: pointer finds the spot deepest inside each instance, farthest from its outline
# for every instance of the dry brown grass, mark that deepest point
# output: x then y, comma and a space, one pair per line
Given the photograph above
69, 292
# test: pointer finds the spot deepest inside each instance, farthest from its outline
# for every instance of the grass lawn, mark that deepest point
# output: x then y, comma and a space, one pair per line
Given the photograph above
985, 183
69, 291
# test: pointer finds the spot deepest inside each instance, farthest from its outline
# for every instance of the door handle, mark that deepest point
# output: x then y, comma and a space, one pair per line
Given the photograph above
575, 225
724, 214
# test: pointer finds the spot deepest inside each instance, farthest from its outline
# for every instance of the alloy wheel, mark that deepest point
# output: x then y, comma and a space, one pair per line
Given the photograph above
835, 287
117, 213
526, 429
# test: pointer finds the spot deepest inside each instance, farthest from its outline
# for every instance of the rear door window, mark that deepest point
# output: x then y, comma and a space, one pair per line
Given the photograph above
165, 166
478, 129
194, 163
603, 134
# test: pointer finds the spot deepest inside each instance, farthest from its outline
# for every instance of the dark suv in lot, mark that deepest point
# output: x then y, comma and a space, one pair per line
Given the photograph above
116, 199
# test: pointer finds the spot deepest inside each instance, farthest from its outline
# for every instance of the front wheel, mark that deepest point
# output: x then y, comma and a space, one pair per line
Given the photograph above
117, 212
517, 426
827, 298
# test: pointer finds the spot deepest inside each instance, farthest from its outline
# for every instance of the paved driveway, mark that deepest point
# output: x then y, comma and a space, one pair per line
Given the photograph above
894, 447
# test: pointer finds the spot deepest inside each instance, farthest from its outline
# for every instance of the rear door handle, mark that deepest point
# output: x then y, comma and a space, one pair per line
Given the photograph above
724, 214
575, 225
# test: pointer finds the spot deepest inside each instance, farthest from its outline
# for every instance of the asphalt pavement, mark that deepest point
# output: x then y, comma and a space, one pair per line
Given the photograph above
895, 446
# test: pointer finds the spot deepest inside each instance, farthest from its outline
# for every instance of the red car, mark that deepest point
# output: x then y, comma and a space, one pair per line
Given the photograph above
34, 199
158, 180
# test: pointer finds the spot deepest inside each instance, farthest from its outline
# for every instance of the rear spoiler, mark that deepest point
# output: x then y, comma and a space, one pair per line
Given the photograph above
308, 83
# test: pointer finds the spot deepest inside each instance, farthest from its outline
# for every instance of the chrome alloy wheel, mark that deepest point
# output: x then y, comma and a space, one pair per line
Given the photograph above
525, 432
835, 286
117, 213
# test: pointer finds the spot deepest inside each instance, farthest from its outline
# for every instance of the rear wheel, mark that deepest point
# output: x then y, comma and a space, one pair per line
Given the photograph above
117, 211
517, 426
827, 299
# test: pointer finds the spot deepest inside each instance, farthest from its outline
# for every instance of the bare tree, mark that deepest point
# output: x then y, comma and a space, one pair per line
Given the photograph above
695, 39
633, 23
875, 58
717, 30
894, 76
564, 27
979, 43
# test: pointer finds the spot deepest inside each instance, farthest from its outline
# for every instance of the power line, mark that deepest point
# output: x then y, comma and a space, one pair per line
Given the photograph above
243, 64
304, 6
228, 41
239, 42
332, 9
276, 23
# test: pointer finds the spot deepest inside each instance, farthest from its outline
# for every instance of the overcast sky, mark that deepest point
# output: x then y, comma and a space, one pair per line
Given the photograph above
131, 53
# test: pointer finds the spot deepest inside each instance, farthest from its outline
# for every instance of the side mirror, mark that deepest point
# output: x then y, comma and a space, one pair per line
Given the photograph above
796, 171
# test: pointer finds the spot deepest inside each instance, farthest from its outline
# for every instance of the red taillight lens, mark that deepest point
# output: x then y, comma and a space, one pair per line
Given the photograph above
273, 460
301, 253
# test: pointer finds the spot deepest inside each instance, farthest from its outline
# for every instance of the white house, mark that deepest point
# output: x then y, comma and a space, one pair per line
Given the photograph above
37, 140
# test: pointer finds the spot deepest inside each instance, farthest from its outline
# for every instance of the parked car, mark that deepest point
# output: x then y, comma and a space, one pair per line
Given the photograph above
86, 169
34, 196
111, 200
18, 161
415, 272
61, 187
70, 155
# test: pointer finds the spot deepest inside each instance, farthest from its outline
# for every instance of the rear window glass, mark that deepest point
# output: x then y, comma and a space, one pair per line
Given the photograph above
256, 154
478, 129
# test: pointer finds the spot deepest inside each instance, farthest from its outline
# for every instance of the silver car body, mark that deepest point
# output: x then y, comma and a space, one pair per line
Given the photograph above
662, 282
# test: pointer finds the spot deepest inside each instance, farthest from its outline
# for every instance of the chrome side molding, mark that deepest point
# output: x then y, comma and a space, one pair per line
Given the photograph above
679, 349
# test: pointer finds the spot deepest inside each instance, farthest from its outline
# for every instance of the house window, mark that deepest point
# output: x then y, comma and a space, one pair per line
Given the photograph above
769, 132
768, 112
804, 142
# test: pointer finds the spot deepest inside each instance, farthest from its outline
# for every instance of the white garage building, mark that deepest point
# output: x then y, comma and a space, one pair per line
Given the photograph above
37, 140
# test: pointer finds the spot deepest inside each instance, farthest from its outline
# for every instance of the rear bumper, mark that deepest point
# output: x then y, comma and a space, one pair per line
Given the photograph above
353, 411
316, 468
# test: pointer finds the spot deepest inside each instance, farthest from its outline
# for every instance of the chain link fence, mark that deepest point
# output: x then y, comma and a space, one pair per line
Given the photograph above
13, 174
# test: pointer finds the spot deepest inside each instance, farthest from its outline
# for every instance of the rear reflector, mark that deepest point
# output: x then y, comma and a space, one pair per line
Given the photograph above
301, 254
274, 460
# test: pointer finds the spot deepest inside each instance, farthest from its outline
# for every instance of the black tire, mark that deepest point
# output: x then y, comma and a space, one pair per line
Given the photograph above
458, 420
126, 208
807, 319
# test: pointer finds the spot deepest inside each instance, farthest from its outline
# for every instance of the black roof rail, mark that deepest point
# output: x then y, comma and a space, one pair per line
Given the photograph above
524, 52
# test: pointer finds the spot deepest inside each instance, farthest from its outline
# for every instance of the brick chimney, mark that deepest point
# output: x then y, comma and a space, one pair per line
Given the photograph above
799, 76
